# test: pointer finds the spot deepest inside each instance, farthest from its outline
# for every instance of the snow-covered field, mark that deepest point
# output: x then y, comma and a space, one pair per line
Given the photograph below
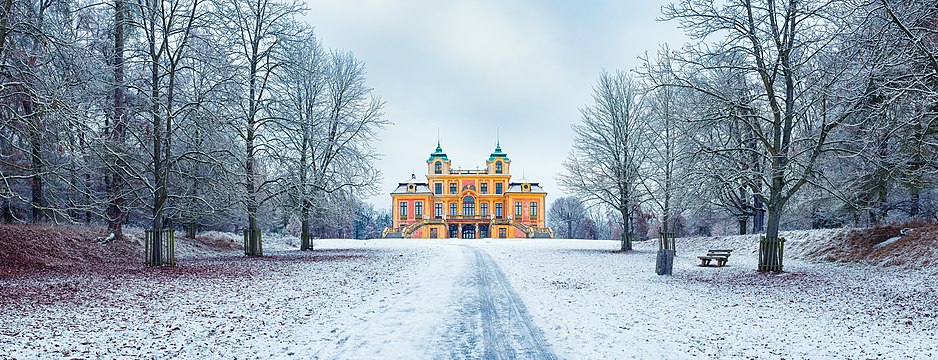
469, 299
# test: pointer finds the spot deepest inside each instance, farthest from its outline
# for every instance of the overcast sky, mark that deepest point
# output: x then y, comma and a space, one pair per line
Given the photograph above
467, 68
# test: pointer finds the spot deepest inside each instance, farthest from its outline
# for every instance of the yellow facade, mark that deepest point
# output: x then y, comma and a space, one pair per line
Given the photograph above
454, 203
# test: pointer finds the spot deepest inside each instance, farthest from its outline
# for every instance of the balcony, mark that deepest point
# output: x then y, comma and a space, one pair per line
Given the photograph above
468, 218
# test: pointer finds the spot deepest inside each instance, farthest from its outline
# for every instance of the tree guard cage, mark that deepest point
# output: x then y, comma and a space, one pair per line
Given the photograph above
252, 242
160, 247
666, 251
771, 252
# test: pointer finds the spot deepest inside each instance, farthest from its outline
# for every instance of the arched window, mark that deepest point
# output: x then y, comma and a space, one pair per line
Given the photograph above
468, 206
498, 167
438, 168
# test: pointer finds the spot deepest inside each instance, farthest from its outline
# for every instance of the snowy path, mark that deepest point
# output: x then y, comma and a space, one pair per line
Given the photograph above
491, 299
492, 321
460, 306
401, 321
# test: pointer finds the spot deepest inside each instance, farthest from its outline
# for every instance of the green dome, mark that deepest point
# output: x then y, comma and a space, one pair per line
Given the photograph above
438, 153
498, 153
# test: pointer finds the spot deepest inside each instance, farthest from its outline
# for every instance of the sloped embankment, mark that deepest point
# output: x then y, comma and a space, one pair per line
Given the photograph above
906, 245
911, 245
25, 248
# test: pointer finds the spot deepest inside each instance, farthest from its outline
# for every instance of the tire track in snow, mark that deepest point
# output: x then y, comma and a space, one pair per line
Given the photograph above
491, 321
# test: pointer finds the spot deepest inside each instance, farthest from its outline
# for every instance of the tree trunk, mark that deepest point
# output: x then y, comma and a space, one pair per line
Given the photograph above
742, 224
115, 211
770, 254
305, 236
569, 229
36, 162
7, 212
87, 198
758, 215
626, 232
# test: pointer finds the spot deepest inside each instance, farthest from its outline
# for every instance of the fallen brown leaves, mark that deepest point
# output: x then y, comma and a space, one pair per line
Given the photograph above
917, 248
30, 248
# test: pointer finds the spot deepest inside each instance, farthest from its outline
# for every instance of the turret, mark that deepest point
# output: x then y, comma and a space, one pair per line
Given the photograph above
498, 161
438, 163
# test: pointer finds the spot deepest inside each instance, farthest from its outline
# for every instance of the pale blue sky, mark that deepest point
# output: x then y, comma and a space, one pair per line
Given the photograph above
468, 67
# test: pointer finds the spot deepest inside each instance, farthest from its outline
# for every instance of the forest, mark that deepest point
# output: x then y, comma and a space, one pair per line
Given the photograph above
777, 115
207, 114
232, 115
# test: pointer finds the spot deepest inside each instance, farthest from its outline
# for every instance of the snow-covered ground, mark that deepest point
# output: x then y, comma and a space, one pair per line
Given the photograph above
594, 303
469, 299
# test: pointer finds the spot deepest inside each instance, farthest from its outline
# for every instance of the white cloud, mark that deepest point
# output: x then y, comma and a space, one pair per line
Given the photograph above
468, 67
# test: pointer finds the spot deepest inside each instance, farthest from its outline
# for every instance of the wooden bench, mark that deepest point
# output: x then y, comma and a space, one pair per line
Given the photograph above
721, 256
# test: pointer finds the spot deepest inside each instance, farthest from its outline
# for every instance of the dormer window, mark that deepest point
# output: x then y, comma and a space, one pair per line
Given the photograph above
438, 167
498, 167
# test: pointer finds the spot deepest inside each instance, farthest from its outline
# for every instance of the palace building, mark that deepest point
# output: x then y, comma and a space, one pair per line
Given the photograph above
468, 204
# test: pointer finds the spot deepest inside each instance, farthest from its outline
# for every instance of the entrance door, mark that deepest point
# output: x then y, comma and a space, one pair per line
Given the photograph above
468, 232
453, 231
483, 231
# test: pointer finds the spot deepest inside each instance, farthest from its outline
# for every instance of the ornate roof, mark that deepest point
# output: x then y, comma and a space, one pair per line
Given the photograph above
438, 153
498, 153
412, 186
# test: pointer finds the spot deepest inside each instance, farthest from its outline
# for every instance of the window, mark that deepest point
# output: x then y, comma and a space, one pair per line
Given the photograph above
518, 209
468, 206
438, 210
452, 188
452, 209
498, 188
403, 208
484, 188
533, 207
498, 210
498, 167
438, 187
484, 209
453, 231
418, 209
438, 168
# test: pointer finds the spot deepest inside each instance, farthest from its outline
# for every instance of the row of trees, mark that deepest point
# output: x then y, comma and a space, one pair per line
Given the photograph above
179, 111
824, 109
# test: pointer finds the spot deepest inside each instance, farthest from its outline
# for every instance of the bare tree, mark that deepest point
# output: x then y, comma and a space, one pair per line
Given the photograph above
117, 128
332, 120
257, 32
789, 50
603, 167
668, 165
567, 214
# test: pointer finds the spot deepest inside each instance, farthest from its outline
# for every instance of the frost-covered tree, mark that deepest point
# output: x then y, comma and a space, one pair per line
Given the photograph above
256, 33
567, 216
603, 167
791, 52
330, 121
